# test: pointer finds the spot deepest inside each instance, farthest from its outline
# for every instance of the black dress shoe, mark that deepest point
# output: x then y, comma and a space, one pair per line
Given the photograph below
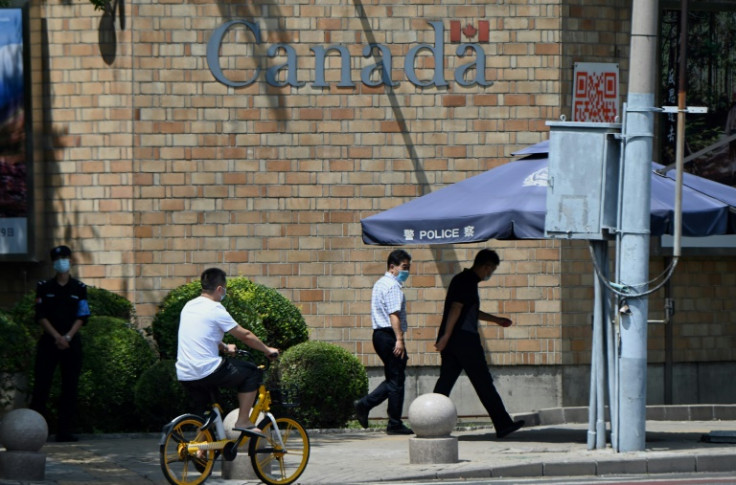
399, 430
361, 413
502, 433
66, 438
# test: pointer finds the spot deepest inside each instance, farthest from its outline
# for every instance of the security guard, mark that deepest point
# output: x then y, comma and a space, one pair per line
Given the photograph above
61, 309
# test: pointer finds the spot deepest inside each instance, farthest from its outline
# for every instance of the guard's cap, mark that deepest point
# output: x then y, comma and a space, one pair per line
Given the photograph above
61, 252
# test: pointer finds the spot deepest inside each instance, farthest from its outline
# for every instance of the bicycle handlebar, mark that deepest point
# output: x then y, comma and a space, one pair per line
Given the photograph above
249, 355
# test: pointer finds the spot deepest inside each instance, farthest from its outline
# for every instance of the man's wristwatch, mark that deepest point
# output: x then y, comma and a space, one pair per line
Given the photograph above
68, 338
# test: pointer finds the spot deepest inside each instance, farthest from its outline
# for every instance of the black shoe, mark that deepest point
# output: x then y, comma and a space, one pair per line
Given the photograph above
66, 438
361, 413
502, 433
399, 430
252, 432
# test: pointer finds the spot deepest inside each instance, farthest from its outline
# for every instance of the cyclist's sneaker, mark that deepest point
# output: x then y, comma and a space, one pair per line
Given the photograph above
399, 430
251, 431
361, 413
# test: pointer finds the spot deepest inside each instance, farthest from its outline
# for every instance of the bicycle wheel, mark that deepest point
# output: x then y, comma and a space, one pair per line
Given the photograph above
275, 464
181, 467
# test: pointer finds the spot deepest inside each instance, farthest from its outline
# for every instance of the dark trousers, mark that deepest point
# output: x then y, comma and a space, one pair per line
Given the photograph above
464, 352
48, 357
394, 368
238, 374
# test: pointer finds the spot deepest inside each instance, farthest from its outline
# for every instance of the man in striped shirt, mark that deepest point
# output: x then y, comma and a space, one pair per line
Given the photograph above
388, 314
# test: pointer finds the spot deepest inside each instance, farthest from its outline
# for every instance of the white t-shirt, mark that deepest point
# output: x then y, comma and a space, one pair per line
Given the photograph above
202, 325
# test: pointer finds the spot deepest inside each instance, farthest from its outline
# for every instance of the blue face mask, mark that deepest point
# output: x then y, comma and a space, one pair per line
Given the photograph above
402, 276
62, 265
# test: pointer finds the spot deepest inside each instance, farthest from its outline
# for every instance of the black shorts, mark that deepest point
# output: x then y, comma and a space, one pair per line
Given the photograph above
241, 375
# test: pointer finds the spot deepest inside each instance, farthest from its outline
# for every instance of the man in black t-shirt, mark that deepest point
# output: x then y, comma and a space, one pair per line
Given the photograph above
61, 309
459, 342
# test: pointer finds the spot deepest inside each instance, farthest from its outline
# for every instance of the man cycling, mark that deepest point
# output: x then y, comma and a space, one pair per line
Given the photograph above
199, 367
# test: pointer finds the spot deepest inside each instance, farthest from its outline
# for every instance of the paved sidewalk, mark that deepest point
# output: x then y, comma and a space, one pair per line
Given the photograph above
553, 447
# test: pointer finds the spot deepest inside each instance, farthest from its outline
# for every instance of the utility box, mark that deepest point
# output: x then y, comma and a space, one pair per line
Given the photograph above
582, 192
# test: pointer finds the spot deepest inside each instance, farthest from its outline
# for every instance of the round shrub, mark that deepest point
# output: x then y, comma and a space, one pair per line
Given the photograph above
260, 309
328, 379
16, 357
115, 356
159, 397
101, 302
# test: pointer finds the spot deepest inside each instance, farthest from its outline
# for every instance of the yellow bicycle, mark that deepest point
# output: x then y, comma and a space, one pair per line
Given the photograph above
190, 444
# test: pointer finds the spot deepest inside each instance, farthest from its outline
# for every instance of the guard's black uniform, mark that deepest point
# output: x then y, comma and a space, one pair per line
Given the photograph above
62, 306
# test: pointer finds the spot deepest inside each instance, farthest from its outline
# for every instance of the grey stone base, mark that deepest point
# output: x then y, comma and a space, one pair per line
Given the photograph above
239, 469
531, 388
433, 450
23, 465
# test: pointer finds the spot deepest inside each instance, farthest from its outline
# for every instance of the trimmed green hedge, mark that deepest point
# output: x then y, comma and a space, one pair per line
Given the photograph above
328, 379
115, 356
260, 309
159, 397
16, 346
16, 357
101, 302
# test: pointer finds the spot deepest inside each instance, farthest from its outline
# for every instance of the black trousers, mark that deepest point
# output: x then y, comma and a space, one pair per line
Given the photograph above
394, 369
464, 352
238, 374
48, 357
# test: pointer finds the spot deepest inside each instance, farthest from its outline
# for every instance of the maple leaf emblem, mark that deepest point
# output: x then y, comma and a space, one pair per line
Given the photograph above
470, 31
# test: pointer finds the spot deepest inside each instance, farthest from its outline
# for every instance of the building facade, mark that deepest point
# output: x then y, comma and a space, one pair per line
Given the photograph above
253, 136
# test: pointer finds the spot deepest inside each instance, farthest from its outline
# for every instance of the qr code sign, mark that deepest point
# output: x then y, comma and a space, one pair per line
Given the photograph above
595, 92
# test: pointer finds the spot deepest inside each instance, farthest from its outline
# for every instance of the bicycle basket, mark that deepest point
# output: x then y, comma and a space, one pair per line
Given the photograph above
285, 396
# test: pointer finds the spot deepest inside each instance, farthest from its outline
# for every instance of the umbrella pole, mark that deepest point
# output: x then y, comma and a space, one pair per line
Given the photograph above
681, 110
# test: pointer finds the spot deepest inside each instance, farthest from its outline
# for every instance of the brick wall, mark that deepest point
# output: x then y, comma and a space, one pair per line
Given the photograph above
271, 182
154, 171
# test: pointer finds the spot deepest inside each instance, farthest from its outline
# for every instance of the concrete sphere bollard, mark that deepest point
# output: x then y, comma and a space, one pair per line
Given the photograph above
432, 415
240, 468
23, 430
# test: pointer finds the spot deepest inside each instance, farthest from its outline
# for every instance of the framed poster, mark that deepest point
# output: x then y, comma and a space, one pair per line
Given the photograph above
16, 156
595, 92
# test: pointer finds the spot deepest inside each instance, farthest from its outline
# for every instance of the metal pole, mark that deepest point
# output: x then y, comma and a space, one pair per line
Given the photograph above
599, 248
681, 106
668, 338
609, 346
635, 233
592, 398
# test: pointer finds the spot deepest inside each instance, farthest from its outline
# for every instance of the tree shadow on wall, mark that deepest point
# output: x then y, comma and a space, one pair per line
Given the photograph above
54, 140
236, 9
444, 254
107, 36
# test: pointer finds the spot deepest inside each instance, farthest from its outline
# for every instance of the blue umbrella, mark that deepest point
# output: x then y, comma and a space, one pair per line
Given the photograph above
509, 202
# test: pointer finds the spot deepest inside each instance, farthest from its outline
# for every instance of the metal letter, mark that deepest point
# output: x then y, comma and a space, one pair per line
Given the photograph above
319, 66
272, 73
438, 51
213, 52
384, 64
479, 65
